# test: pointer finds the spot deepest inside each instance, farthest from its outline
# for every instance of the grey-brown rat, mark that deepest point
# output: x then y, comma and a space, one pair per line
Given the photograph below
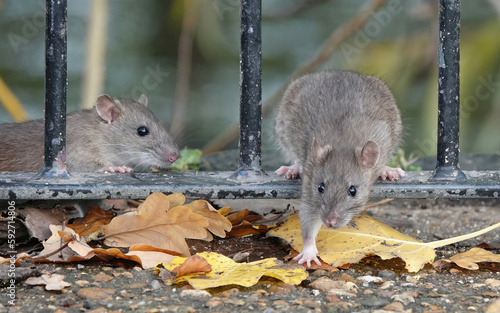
117, 135
339, 128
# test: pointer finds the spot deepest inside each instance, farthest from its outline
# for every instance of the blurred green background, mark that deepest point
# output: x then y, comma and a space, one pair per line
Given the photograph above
398, 44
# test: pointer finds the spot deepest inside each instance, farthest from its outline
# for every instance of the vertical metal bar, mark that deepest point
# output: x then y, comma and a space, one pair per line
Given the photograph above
55, 89
447, 167
250, 89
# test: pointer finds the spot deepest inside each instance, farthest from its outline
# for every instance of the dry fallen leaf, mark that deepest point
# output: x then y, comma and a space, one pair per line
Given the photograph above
193, 264
245, 224
370, 236
93, 221
51, 282
146, 258
245, 228
217, 223
227, 272
17, 262
225, 210
37, 220
150, 256
176, 199
468, 260
238, 217
76, 246
157, 224
77, 250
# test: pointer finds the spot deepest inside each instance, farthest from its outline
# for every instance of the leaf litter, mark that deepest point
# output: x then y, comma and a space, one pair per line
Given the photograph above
224, 271
369, 236
158, 230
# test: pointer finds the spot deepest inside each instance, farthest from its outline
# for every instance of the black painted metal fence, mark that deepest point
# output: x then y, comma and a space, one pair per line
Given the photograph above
249, 181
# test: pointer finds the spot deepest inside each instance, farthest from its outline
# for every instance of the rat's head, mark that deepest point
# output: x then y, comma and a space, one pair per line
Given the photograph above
134, 137
340, 181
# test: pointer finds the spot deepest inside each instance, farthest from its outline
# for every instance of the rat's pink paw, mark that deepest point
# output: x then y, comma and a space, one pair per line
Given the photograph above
392, 173
118, 169
308, 254
290, 172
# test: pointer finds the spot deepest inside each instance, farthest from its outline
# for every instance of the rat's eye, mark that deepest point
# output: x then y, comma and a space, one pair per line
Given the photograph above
321, 188
352, 191
142, 131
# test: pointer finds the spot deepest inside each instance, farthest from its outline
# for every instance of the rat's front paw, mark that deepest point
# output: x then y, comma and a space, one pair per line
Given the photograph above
393, 173
290, 172
118, 169
307, 255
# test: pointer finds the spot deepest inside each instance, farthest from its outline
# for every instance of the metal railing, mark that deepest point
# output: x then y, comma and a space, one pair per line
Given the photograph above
249, 181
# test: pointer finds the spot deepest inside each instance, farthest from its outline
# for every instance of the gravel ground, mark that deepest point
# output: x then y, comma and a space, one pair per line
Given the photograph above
370, 286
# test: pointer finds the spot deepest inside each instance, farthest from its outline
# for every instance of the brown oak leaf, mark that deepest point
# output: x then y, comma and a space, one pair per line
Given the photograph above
157, 224
218, 224
93, 221
193, 264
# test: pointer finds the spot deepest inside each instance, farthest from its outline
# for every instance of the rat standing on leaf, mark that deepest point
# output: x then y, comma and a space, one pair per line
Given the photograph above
118, 135
339, 128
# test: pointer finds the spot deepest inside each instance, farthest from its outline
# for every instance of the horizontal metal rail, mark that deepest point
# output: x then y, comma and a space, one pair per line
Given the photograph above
220, 185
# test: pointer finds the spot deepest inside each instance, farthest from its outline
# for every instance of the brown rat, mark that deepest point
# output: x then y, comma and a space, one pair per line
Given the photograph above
340, 129
117, 135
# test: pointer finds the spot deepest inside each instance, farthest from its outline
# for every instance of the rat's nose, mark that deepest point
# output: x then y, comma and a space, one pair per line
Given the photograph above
172, 157
332, 222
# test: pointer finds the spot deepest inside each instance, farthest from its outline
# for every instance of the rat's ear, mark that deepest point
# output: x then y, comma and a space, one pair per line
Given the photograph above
368, 156
318, 151
143, 100
107, 108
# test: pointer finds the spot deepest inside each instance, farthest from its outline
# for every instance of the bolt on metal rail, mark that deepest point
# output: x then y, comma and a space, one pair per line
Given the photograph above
249, 181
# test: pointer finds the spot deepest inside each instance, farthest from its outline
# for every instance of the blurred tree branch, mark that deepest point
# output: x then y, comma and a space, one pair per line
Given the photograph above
11, 103
93, 78
294, 8
322, 55
184, 63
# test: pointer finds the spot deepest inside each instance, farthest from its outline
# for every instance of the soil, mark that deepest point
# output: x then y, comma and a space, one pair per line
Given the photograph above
379, 286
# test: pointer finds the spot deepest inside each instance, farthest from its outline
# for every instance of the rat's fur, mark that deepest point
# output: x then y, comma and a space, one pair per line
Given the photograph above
344, 112
98, 138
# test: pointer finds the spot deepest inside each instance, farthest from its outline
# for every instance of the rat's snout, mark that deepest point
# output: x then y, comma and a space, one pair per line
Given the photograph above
173, 156
332, 222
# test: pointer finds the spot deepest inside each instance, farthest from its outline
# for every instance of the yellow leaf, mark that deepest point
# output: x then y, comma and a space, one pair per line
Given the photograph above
470, 258
225, 210
370, 236
350, 245
225, 271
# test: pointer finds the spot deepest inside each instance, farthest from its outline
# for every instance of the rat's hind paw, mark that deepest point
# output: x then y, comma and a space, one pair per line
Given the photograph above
118, 169
290, 172
393, 173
